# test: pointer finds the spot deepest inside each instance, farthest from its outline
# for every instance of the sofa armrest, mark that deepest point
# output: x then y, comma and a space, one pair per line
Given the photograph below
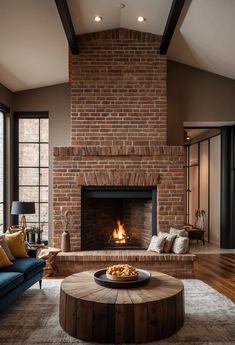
32, 252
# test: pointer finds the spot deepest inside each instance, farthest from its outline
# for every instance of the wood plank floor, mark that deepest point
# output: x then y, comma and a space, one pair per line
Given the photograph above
218, 271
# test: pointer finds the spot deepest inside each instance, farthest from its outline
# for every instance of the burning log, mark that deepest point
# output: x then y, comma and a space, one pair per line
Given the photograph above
119, 235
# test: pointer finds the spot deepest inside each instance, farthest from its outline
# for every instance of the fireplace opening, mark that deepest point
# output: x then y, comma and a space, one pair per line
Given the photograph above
117, 217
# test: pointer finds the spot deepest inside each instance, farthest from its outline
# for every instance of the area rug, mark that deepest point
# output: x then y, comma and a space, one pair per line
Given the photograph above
33, 319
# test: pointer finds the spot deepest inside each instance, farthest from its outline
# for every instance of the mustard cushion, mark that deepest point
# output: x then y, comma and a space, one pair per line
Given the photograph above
5, 247
15, 242
4, 261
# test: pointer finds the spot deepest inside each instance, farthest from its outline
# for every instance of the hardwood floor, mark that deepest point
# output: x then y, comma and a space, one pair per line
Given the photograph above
218, 271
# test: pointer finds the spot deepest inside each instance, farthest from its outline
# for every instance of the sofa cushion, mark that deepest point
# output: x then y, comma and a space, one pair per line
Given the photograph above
9, 280
15, 242
4, 260
28, 266
4, 245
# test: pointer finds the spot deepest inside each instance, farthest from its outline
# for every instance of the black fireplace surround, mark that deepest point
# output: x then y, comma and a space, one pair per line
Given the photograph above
102, 207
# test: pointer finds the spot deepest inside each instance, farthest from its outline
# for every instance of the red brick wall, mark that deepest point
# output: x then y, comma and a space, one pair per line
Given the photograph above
118, 127
118, 90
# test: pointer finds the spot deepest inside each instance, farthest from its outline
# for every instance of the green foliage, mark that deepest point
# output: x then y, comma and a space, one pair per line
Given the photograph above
35, 229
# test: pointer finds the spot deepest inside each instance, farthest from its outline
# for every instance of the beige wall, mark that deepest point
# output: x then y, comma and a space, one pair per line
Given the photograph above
5, 96
6, 99
56, 100
196, 95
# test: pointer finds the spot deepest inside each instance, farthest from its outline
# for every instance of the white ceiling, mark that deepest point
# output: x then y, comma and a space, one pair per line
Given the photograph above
116, 15
34, 50
205, 37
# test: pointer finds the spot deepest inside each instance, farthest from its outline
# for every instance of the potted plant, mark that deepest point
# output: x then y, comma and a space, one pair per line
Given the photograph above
32, 233
39, 230
27, 231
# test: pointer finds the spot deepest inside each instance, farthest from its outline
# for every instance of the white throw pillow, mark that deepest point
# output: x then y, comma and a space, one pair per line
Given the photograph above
169, 241
180, 245
157, 244
178, 232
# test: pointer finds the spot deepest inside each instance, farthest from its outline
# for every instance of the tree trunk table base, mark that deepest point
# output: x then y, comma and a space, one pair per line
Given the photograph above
94, 313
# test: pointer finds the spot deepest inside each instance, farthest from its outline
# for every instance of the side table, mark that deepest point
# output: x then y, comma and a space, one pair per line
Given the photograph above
196, 234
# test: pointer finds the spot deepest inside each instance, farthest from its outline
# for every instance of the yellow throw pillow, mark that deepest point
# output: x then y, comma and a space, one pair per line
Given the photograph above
16, 244
4, 261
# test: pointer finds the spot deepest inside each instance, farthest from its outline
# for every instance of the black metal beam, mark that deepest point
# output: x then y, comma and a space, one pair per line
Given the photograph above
67, 23
175, 11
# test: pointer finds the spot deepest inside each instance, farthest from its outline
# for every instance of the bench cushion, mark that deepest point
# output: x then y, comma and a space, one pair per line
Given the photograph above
9, 280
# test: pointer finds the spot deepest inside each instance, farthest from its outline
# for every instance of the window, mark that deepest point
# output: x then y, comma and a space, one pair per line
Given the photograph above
32, 158
1, 172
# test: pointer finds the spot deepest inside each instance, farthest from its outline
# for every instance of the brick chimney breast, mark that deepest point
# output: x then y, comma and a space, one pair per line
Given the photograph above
118, 127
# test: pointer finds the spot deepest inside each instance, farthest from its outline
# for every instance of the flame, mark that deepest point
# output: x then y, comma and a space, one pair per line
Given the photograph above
119, 234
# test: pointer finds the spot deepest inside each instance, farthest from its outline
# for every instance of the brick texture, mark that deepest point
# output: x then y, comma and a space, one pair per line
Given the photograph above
118, 90
177, 265
118, 128
99, 219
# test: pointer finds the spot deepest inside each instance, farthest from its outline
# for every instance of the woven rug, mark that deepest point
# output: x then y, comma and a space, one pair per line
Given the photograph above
33, 319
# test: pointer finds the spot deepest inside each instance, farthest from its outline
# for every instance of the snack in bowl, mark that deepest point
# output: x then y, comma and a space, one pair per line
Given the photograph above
122, 272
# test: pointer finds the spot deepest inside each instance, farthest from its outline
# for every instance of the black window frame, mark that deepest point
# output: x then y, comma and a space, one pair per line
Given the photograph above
17, 116
5, 110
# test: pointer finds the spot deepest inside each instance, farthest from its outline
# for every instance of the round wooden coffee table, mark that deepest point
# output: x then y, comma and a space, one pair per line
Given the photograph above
95, 313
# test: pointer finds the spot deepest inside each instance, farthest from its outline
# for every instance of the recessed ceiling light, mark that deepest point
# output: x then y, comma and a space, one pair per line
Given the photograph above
141, 19
97, 18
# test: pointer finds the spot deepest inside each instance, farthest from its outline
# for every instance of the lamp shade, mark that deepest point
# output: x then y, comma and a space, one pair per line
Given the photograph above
22, 207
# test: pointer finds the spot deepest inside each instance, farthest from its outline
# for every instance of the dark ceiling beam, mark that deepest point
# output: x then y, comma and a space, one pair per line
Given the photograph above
175, 11
67, 23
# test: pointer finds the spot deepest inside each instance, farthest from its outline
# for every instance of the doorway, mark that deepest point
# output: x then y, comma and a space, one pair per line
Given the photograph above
203, 157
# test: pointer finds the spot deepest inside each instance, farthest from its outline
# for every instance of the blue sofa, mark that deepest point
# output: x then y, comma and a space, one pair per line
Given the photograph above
15, 279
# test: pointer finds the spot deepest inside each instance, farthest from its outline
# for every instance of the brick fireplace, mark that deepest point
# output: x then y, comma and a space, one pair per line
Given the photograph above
117, 217
118, 139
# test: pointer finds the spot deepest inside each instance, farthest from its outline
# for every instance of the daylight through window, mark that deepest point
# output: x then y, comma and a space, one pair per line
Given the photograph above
33, 169
1, 172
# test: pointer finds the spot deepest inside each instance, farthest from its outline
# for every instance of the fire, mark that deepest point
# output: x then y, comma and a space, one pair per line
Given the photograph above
119, 234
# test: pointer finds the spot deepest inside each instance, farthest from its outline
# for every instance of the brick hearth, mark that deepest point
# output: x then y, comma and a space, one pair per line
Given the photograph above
118, 128
179, 266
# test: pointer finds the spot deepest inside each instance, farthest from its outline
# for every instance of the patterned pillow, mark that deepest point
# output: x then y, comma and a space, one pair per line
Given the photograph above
180, 245
179, 232
157, 244
169, 241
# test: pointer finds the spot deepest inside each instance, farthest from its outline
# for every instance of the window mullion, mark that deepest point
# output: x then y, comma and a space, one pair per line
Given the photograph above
31, 187
39, 166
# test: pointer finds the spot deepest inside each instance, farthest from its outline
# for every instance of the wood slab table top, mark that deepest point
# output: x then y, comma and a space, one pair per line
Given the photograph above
92, 312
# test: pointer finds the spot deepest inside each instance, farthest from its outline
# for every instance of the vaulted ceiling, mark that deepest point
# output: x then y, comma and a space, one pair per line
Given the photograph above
34, 49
